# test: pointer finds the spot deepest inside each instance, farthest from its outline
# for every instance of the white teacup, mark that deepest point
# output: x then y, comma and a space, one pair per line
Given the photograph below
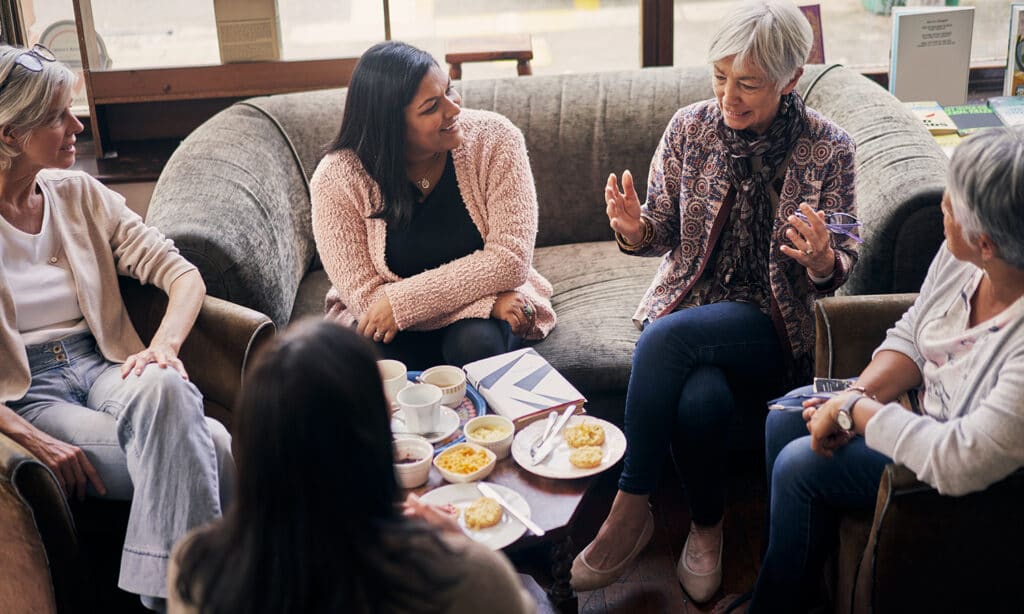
421, 407
451, 380
394, 375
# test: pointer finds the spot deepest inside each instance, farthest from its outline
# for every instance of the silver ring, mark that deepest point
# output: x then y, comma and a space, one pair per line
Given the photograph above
528, 310
808, 252
377, 336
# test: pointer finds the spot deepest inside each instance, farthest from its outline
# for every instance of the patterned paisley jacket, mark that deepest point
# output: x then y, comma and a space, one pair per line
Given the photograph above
688, 201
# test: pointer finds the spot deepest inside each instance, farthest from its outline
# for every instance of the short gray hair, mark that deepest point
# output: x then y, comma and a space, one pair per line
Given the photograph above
986, 189
26, 96
772, 35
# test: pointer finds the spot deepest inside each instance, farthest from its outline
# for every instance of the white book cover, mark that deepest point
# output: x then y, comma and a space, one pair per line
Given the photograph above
521, 385
931, 53
1013, 82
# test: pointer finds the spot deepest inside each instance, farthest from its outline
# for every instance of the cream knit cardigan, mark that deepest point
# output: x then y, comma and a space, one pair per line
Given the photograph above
493, 173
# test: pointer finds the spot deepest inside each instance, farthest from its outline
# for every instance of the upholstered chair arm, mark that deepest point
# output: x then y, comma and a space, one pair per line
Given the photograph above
849, 328
37, 533
218, 348
928, 551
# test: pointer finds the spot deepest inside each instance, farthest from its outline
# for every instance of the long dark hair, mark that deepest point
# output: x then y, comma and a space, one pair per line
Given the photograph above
373, 124
315, 526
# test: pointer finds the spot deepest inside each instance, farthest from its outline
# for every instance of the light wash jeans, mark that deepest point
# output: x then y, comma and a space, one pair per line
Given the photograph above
148, 439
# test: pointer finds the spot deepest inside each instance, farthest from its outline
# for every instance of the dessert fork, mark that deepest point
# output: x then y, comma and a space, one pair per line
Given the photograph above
543, 437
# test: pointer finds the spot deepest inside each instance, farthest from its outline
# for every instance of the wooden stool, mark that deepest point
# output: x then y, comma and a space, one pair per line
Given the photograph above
518, 47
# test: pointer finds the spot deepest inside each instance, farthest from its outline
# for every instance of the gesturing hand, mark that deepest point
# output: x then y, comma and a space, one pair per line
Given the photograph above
623, 208
516, 309
378, 322
68, 463
160, 353
811, 244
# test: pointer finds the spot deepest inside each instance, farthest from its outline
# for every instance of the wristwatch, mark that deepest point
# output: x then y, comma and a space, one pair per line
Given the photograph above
844, 418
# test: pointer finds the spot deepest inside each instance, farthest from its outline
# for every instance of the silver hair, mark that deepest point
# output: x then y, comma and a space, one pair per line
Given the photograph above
772, 35
26, 96
986, 190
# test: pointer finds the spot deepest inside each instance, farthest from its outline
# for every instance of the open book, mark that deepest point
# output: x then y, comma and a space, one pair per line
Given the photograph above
522, 386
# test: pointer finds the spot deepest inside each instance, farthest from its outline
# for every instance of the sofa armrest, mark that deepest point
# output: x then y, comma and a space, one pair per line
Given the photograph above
218, 348
928, 551
849, 328
37, 534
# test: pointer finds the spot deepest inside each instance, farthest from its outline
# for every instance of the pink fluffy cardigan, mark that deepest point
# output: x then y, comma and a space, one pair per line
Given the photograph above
493, 173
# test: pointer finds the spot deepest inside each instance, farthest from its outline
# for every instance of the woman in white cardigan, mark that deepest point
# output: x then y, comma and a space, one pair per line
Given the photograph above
109, 416
960, 351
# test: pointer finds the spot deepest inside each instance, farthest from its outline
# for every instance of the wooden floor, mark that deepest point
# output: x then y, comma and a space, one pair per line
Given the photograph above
651, 585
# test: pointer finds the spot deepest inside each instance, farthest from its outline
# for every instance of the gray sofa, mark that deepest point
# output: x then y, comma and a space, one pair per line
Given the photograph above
235, 197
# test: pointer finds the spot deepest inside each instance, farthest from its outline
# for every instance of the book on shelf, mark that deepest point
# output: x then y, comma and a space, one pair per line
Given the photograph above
522, 386
931, 53
1009, 109
972, 117
813, 14
1013, 82
932, 115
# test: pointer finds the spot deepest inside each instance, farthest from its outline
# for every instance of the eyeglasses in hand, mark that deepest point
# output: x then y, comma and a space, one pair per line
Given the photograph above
839, 223
31, 60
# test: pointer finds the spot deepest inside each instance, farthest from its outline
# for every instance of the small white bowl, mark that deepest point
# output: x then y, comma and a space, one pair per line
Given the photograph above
414, 473
502, 446
451, 380
479, 474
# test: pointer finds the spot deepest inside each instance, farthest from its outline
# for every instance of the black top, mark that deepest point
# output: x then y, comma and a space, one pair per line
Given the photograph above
440, 230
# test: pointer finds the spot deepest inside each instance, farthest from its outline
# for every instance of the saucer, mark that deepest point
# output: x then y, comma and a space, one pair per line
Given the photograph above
446, 424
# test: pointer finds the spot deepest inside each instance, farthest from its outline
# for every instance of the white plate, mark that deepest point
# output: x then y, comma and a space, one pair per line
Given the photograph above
447, 424
557, 464
508, 529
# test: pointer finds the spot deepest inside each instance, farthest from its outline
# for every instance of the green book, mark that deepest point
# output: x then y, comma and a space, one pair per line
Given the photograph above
972, 117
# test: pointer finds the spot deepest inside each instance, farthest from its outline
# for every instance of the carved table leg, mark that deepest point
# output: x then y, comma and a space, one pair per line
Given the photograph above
561, 593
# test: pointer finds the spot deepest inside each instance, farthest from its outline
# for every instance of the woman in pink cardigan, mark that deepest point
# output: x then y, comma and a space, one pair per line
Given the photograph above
425, 217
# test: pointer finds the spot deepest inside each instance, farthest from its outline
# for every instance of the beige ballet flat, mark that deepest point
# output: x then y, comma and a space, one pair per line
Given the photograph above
700, 586
587, 578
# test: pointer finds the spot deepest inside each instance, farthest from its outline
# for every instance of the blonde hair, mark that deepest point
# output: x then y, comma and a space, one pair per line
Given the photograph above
772, 35
26, 96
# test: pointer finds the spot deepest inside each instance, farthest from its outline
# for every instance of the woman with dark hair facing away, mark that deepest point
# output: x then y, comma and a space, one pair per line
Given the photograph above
425, 216
750, 203
318, 524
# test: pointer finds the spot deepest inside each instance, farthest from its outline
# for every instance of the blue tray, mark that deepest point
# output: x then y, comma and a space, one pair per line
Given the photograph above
472, 406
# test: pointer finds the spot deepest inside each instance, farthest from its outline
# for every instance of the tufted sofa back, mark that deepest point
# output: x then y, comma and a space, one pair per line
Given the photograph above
235, 196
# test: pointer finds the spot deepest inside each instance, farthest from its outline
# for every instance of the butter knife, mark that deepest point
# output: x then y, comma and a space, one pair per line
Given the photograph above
487, 491
552, 441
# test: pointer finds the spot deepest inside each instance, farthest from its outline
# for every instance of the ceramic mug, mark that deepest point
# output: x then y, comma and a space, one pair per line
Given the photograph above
394, 375
421, 407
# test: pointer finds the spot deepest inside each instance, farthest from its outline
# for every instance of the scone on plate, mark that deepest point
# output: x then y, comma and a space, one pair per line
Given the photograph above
482, 513
586, 457
584, 434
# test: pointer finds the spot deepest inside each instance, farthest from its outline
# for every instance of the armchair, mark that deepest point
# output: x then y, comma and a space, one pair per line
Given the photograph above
44, 569
919, 550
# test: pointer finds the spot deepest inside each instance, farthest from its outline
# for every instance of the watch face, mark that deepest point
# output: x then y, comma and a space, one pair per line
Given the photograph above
844, 421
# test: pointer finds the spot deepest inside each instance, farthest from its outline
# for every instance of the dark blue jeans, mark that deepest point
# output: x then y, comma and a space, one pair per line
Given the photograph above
807, 493
681, 394
456, 344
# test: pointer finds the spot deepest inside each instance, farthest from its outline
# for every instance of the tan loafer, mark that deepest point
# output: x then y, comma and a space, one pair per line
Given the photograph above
700, 586
587, 578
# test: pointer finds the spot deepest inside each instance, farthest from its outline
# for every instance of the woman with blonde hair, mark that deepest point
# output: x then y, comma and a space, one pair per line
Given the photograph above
109, 416
745, 194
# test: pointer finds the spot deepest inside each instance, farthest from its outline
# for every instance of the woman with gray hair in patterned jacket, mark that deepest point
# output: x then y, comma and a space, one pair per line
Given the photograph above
750, 201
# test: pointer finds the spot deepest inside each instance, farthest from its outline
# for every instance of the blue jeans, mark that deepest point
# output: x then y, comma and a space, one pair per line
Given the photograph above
684, 369
148, 439
807, 493
458, 343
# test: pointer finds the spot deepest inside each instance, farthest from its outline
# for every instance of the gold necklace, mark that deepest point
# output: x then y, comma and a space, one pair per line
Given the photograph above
424, 182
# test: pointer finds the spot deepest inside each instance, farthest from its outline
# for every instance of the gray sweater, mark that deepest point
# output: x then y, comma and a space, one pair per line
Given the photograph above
977, 437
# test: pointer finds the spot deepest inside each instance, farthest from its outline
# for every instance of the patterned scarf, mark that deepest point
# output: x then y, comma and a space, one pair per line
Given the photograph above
742, 267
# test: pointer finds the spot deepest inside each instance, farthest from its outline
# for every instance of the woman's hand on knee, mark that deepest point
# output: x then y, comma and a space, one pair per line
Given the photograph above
826, 434
161, 354
69, 463
378, 323
513, 307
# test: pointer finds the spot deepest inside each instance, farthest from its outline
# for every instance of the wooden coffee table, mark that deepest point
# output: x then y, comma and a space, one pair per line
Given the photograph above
554, 505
